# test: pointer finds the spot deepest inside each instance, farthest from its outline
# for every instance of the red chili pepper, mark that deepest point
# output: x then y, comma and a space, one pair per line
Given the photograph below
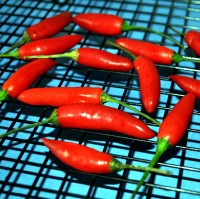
149, 80
187, 84
108, 24
94, 117
45, 46
90, 160
103, 60
44, 29
95, 58
61, 96
157, 53
171, 130
24, 77
192, 38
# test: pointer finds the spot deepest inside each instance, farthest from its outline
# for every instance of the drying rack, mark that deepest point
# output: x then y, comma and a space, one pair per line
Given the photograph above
29, 170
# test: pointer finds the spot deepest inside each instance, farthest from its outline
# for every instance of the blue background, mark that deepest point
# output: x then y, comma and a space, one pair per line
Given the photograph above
29, 170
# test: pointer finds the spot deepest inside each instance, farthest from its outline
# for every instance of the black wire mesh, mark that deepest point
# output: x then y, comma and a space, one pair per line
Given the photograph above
28, 170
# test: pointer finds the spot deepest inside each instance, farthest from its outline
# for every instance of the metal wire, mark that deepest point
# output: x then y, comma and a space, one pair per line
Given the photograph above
29, 170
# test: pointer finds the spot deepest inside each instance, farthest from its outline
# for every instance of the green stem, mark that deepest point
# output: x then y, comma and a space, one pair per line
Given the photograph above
52, 119
121, 48
176, 31
72, 55
162, 146
116, 166
192, 59
128, 27
176, 58
147, 169
13, 54
25, 39
4, 95
106, 98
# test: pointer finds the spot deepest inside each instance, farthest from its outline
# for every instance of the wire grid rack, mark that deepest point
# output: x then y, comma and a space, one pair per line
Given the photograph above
29, 170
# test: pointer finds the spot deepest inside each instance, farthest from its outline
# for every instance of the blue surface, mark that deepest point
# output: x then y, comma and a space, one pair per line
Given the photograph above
28, 169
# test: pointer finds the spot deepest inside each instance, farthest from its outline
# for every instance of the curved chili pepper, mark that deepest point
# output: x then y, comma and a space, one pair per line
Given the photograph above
90, 160
44, 29
24, 77
108, 24
187, 84
171, 130
157, 53
149, 81
61, 96
192, 38
94, 58
94, 117
45, 47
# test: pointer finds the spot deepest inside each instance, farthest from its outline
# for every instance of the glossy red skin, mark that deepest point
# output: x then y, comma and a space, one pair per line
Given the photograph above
49, 46
49, 27
149, 80
105, 24
99, 117
60, 96
102, 59
158, 54
192, 38
176, 122
79, 157
187, 84
25, 76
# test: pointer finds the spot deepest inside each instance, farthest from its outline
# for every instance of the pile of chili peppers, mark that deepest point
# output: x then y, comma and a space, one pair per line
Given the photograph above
83, 107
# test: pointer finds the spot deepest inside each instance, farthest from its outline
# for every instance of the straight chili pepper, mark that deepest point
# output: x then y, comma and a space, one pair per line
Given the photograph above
108, 24
89, 160
187, 84
45, 47
94, 117
24, 77
44, 29
171, 130
61, 96
192, 38
149, 79
94, 58
157, 53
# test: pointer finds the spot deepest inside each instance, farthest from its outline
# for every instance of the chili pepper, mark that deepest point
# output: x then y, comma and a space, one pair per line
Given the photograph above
171, 130
90, 160
149, 79
94, 58
45, 47
61, 96
157, 53
187, 84
24, 77
44, 29
192, 38
108, 24
94, 117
